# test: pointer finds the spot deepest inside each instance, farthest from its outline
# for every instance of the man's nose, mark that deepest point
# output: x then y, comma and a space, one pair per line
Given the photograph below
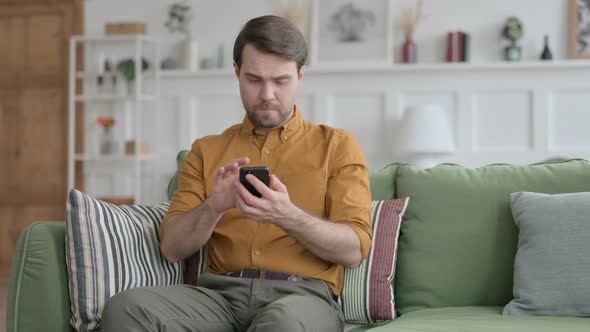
267, 92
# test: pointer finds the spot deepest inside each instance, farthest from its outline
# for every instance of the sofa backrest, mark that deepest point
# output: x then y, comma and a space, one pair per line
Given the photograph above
382, 180
458, 239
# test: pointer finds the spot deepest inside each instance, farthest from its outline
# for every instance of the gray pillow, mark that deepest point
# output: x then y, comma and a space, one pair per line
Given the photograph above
552, 265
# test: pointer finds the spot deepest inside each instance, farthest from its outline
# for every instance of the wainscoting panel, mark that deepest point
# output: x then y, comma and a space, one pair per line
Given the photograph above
502, 121
569, 119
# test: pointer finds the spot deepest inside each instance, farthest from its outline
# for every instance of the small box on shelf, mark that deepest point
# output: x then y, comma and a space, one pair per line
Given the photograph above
144, 148
125, 28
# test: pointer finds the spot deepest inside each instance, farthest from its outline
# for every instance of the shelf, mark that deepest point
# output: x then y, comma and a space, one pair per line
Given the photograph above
398, 67
180, 73
114, 157
116, 39
100, 98
93, 75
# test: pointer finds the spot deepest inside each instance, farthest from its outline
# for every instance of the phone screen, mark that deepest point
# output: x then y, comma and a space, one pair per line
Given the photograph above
261, 172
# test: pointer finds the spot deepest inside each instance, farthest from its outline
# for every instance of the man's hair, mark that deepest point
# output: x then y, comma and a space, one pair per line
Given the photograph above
274, 35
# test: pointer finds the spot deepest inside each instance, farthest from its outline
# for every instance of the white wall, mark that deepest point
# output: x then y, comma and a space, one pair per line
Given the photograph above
217, 22
500, 113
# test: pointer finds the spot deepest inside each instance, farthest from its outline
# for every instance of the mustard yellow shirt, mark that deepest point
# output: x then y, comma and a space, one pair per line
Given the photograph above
325, 173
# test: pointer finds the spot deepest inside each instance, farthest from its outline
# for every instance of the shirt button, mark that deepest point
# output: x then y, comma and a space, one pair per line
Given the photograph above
257, 252
266, 151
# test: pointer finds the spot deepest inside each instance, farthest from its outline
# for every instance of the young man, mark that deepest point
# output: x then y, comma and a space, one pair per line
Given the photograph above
276, 262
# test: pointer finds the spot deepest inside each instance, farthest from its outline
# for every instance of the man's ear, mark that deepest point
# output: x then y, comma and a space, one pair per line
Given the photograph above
300, 74
236, 70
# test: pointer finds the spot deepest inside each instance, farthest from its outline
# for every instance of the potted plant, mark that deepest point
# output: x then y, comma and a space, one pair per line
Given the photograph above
513, 31
127, 69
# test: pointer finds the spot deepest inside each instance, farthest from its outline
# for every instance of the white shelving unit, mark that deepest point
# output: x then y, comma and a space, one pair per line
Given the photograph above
137, 47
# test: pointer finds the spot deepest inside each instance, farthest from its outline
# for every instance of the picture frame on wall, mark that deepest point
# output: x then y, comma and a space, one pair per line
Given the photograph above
351, 32
579, 20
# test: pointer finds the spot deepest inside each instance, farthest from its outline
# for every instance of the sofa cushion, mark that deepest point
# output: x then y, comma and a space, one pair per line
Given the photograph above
368, 295
478, 319
552, 265
109, 249
458, 240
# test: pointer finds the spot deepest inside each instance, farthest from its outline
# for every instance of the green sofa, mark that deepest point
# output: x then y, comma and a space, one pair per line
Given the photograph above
455, 255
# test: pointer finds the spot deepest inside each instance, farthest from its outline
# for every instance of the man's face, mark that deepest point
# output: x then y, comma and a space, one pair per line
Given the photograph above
268, 87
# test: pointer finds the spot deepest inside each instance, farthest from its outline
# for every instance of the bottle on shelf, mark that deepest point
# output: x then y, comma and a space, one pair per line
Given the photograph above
546, 54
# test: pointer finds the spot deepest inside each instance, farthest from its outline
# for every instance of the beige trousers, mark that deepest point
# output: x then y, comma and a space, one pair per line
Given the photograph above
224, 303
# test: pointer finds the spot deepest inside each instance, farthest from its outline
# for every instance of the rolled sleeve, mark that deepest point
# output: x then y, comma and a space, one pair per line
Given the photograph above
348, 198
191, 186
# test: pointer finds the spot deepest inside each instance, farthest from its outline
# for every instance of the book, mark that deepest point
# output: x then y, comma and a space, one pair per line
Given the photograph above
452, 47
465, 47
458, 43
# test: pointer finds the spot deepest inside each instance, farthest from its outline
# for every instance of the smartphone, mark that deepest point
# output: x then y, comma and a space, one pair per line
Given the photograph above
261, 172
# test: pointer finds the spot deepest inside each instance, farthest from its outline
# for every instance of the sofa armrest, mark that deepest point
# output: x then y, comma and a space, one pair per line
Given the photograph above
38, 298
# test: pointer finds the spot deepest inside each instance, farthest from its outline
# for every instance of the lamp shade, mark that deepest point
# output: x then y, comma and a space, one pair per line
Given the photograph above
425, 129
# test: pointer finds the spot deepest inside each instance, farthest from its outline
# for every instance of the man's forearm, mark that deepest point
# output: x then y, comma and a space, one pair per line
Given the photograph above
188, 232
326, 239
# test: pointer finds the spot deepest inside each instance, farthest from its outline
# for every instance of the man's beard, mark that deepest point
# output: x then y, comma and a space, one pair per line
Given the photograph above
258, 123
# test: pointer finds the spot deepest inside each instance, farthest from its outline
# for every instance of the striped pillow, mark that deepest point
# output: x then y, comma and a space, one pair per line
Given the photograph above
110, 249
367, 295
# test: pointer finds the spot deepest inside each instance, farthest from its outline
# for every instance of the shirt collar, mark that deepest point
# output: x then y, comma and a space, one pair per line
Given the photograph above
292, 125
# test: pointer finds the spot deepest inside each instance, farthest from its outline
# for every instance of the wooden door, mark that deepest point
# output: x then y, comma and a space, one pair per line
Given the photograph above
34, 37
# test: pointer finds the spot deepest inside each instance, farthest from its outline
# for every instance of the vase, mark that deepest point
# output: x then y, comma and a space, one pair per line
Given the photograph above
513, 52
546, 54
409, 51
189, 54
107, 141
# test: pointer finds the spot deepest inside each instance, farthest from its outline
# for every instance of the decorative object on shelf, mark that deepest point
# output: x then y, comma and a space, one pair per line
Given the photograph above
125, 28
409, 22
144, 148
169, 63
220, 56
579, 31
127, 68
351, 32
546, 54
107, 79
425, 135
296, 11
179, 20
513, 31
208, 63
458, 43
107, 140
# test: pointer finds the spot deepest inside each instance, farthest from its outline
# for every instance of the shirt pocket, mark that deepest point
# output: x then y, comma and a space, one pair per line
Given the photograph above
307, 189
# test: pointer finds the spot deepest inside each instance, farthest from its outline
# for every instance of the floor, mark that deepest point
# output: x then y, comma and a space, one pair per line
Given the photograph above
3, 297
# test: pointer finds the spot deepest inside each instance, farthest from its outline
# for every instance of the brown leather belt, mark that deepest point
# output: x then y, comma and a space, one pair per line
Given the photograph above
265, 274
271, 275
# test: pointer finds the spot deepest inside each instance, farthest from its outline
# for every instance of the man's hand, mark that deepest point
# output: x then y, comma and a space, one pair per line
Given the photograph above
328, 240
223, 195
273, 207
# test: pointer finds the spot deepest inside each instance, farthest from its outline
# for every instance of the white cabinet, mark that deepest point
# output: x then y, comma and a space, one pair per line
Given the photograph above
127, 92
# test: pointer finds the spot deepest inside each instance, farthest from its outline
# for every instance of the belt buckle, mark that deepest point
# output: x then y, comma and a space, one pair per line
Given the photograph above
262, 274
